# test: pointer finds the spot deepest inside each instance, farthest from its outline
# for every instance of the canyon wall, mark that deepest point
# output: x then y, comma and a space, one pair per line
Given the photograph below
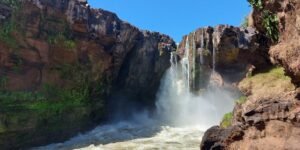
60, 63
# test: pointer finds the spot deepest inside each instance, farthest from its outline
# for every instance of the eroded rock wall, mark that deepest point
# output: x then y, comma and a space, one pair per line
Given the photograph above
60, 62
236, 51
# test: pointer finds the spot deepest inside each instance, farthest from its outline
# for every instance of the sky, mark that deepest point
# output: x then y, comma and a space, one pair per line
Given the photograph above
176, 18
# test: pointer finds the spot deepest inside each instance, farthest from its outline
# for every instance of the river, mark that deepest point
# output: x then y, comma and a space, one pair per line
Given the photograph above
178, 124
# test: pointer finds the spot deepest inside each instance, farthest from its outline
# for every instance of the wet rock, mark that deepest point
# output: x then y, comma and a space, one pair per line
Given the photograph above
218, 138
235, 49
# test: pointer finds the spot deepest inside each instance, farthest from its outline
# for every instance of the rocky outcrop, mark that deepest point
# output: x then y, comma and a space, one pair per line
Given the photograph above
60, 62
236, 50
269, 118
285, 52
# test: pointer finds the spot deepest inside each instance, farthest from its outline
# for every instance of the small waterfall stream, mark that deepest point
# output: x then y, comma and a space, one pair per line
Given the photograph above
181, 117
186, 64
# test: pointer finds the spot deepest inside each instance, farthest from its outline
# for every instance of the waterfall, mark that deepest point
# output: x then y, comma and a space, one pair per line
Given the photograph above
186, 64
178, 123
194, 60
202, 49
178, 106
214, 53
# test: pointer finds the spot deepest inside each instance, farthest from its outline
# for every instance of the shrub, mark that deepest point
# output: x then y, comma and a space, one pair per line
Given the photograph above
69, 44
226, 121
270, 23
241, 100
62, 40
256, 3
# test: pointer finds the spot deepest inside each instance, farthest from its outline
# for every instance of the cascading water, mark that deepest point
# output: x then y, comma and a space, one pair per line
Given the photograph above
186, 64
202, 50
194, 60
180, 107
214, 53
180, 120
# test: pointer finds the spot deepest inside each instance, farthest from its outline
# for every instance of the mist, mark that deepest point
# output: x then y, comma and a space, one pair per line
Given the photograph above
178, 122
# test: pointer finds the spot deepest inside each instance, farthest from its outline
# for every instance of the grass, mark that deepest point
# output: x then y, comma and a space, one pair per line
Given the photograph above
267, 84
61, 40
226, 121
241, 100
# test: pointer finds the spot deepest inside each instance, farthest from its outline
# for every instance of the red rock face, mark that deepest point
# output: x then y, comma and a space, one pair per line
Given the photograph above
286, 51
67, 43
97, 37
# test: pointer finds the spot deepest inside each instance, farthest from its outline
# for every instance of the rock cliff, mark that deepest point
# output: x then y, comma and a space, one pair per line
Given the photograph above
60, 62
230, 51
268, 117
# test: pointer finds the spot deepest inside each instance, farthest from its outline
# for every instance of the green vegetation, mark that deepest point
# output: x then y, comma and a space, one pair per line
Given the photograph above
49, 99
6, 34
270, 22
21, 96
256, 3
56, 31
12, 25
241, 100
226, 121
62, 40
69, 44
15, 4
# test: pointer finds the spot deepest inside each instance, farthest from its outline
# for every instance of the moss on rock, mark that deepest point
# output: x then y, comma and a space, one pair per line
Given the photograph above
226, 121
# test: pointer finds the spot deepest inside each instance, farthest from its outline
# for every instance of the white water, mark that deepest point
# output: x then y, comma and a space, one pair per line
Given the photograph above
185, 62
179, 122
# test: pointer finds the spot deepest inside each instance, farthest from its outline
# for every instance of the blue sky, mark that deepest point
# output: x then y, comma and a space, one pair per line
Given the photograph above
176, 17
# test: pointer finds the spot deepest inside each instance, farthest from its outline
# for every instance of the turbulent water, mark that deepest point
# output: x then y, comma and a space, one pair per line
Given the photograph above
179, 122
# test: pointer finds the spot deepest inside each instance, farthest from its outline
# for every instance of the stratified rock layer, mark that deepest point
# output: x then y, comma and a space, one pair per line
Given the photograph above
78, 53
